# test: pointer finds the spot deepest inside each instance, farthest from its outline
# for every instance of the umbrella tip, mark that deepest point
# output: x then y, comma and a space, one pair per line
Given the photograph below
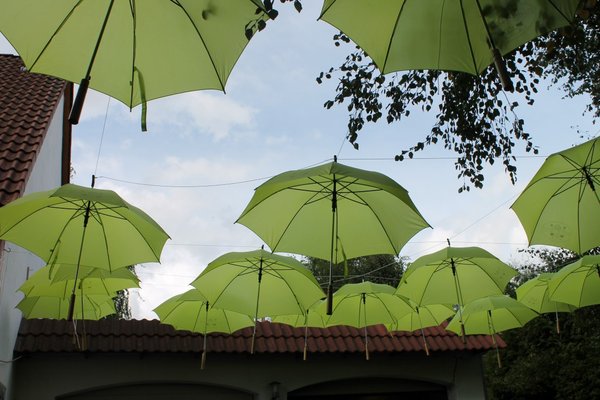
334, 158
448, 240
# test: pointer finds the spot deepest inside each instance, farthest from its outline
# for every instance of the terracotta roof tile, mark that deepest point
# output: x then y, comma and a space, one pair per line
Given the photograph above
27, 104
44, 335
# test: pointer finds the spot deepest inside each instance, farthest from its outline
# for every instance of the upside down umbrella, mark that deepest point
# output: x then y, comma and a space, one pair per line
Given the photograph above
465, 35
560, 206
535, 294
364, 304
259, 284
191, 311
82, 227
490, 315
577, 283
134, 51
333, 212
455, 275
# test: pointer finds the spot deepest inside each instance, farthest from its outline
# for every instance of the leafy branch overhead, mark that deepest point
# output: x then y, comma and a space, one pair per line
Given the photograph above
474, 118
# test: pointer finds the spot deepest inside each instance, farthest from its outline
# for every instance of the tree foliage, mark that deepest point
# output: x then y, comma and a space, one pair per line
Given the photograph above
474, 117
539, 363
383, 268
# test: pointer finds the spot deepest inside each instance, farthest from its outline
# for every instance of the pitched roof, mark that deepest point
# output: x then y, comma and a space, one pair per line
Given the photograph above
151, 336
27, 103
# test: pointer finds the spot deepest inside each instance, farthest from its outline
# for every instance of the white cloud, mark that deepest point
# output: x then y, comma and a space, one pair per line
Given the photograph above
216, 115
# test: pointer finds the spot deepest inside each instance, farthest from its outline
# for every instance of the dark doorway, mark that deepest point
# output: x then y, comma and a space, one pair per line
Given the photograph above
371, 389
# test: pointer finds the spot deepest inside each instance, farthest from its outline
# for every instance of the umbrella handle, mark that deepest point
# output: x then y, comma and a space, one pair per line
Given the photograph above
79, 99
71, 307
203, 360
305, 342
502, 72
329, 299
425, 341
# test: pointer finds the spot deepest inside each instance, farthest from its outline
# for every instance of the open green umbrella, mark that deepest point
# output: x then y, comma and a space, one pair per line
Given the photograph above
134, 51
259, 284
364, 304
577, 283
422, 317
310, 319
191, 311
535, 294
58, 280
465, 35
333, 212
455, 275
490, 315
52, 307
560, 206
83, 227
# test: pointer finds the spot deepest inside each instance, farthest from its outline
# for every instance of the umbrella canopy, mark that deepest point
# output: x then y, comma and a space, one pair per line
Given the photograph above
560, 206
490, 315
577, 283
126, 49
465, 36
333, 212
82, 226
191, 311
86, 307
535, 294
455, 275
364, 304
422, 317
58, 281
259, 283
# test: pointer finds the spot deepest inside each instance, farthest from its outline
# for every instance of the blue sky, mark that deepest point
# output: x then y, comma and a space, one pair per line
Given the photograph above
271, 120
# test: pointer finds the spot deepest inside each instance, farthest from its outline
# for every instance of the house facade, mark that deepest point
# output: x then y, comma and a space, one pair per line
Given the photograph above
35, 146
149, 360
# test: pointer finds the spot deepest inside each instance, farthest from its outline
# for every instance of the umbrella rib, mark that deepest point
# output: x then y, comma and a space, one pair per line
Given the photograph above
208, 53
55, 33
389, 44
465, 25
396, 251
300, 306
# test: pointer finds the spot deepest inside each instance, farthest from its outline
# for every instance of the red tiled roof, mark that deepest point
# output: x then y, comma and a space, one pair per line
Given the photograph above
144, 336
27, 103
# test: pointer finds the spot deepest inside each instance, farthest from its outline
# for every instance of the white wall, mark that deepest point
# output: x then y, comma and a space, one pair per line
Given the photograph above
15, 261
45, 376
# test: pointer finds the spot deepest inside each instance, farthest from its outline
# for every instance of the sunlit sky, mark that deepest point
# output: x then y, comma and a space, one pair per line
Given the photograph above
205, 152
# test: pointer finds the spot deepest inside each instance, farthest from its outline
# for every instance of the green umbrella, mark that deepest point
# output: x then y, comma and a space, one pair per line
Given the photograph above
466, 35
310, 319
52, 307
422, 317
191, 311
57, 280
134, 51
364, 304
258, 283
333, 212
577, 283
490, 315
560, 206
455, 275
535, 294
83, 227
